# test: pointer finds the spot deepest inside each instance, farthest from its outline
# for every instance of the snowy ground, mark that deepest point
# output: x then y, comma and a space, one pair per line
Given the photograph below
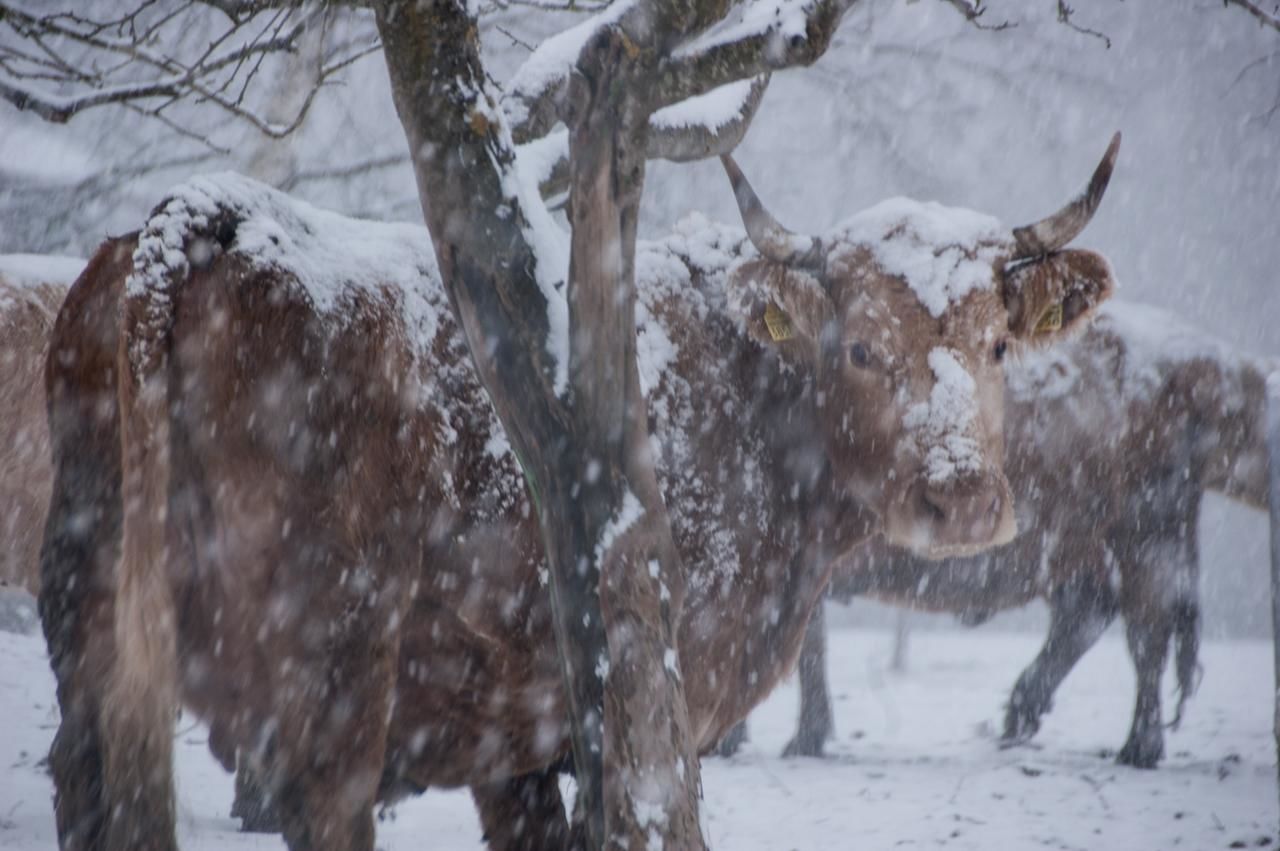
915, 765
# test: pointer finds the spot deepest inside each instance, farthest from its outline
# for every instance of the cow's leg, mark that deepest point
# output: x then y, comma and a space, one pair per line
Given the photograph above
731, 742
332, 706
523, 813
1148, 637
253, 803
1079, 612
815, 698
1160, 591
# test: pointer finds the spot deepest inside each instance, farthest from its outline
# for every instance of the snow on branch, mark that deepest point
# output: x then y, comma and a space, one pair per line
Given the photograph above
60, 62
536, 91
766, 35
705, 126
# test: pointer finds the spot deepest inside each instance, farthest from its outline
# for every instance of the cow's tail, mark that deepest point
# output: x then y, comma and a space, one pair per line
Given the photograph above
80, 560
1186, 657
107, 597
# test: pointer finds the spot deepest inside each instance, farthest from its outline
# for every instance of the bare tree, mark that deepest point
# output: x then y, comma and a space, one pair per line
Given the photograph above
549, 322
550, 325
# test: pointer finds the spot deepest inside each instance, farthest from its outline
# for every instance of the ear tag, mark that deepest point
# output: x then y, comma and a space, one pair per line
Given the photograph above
779, 323
1050, 320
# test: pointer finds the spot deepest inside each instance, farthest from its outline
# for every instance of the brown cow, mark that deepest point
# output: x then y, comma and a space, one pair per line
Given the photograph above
282, 498
31, 291
1112, 441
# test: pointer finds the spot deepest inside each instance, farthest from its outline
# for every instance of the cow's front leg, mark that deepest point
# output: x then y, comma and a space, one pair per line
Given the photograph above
1079, 612
815, 698
523, 813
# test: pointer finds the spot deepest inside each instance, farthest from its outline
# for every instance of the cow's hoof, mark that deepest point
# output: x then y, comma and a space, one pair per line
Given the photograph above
1142, 752
804, 744
732, 741
1020, 725
256, 813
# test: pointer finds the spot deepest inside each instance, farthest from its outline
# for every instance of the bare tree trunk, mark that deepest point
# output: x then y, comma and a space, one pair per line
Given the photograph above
586, 460
652, 770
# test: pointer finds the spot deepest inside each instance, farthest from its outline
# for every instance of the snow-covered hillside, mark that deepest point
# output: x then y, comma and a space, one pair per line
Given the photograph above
915, 765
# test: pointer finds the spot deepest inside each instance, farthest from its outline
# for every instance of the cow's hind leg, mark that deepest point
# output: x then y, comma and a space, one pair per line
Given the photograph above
1148, 646
333, 703
731, 742
1160, 603
815, 698
523, 813
1079, 612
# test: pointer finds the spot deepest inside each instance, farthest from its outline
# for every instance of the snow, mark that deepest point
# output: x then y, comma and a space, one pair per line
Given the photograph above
331, 256
712, 110
552, 60
782, 20
32, 270
630, 511
914, 764
550, 242
1155, 337
944, 424
943, 253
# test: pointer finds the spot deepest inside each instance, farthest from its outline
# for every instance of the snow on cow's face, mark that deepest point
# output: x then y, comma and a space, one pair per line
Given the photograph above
906, 329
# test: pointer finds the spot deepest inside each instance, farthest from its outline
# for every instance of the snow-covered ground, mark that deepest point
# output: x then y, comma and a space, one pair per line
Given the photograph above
916, 765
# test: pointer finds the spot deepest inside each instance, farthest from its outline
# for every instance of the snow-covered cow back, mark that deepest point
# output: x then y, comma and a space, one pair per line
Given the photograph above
302, 520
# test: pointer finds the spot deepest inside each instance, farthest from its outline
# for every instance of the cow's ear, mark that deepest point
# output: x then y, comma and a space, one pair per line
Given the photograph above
781, 307
1054, 296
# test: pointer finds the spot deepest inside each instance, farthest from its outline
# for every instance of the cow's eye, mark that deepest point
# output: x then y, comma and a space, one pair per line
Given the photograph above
999, 350
860, 355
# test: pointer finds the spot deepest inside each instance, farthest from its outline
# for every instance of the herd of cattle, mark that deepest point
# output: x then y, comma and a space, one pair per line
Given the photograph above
270, 489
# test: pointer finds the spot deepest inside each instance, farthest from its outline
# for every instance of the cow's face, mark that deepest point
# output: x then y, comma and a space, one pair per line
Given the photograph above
905, 317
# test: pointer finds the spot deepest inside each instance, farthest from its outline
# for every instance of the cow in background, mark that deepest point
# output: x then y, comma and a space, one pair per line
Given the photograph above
1113, 439
32, 289
282, 498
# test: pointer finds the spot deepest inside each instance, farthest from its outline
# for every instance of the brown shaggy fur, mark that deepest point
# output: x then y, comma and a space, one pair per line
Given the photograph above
304, 525
26, 471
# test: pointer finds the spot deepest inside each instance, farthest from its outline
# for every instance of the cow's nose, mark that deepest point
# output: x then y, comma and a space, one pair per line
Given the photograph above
964, 512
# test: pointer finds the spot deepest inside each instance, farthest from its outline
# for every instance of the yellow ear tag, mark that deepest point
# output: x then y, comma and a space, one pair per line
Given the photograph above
779, 323
1050, 320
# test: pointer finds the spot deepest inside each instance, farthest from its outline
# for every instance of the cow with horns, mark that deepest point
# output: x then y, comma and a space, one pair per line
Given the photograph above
1126, 427
282, 499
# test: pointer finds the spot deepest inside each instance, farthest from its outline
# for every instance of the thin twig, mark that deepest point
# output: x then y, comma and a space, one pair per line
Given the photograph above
1064, 17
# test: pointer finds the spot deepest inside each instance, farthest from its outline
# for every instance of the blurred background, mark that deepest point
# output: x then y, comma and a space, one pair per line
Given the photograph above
910, 100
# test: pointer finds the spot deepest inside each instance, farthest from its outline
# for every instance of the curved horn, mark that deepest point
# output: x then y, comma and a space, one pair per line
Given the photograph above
771, 239
1054, 232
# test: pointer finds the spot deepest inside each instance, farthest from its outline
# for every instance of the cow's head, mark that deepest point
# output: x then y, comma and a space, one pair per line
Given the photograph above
905, 315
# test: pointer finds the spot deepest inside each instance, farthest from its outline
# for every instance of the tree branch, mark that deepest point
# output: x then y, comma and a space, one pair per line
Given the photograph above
795, 37
113, 62
1064, 17
679, 133
1267, 19
973, 10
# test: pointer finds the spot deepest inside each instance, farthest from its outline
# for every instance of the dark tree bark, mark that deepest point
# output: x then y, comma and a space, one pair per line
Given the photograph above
584, 448
587, 461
